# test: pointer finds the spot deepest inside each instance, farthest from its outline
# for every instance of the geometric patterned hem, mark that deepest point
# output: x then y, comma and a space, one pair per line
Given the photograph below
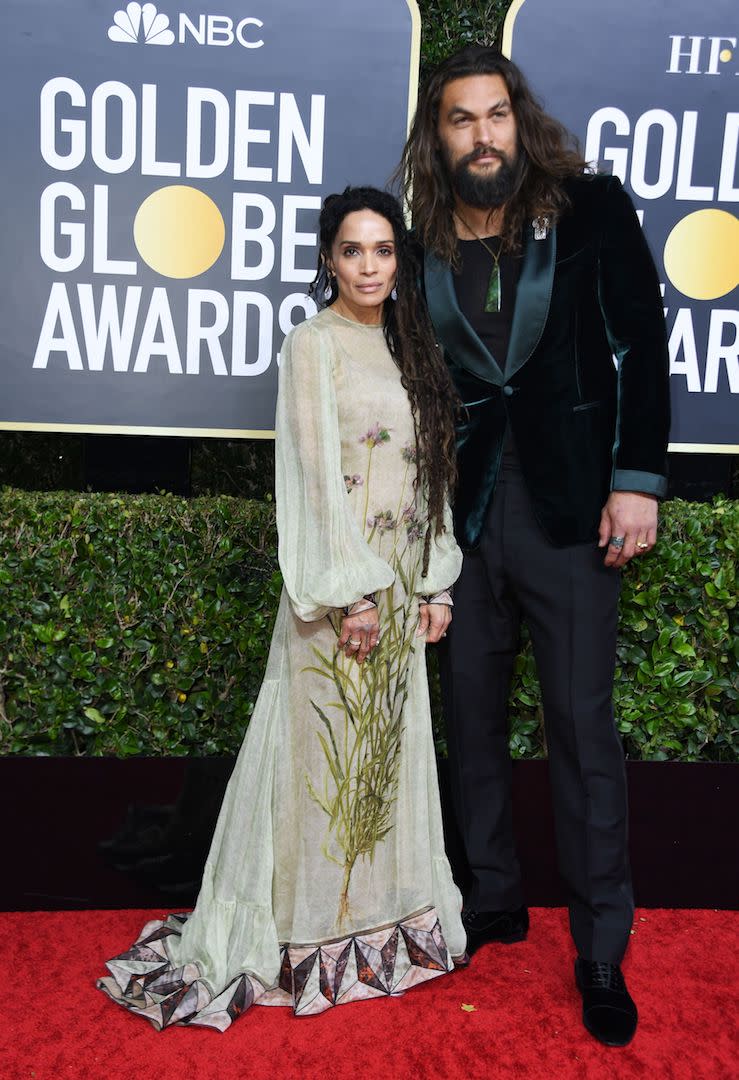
312, 978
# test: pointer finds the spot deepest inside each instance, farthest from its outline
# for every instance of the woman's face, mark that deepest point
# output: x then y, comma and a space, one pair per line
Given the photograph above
364, 262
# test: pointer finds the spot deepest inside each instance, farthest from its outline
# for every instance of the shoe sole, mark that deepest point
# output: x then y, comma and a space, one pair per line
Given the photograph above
606, 1042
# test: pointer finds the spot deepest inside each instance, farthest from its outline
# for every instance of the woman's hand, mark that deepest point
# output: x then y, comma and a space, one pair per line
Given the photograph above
360, 633
433, 621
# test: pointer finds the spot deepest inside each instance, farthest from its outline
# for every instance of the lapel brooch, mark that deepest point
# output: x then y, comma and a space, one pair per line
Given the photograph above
541, 228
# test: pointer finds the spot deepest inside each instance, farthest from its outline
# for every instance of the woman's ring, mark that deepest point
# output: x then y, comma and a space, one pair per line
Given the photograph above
355, 643
642, 547
617, 541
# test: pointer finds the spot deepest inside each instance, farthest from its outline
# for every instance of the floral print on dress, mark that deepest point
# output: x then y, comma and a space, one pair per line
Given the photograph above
414, 525
360, 784
375, 436
360, 732
352, 481
385, 521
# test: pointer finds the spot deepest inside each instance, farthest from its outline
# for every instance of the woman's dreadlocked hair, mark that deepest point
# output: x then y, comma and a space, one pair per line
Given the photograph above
411, 341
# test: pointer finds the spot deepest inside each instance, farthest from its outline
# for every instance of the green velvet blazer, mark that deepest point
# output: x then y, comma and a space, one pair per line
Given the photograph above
582, 425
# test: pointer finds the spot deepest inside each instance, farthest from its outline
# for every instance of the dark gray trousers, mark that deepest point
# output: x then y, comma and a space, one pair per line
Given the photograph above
569, 602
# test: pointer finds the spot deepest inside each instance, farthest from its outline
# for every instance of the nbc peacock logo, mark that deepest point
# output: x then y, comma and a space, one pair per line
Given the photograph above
140, 23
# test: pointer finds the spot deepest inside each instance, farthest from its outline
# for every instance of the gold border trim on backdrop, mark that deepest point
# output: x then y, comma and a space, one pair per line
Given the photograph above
414, 65
703, 448
508, 25
126, 429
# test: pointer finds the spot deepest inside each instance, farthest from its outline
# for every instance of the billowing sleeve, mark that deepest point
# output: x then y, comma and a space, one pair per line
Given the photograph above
324, 559
445, 560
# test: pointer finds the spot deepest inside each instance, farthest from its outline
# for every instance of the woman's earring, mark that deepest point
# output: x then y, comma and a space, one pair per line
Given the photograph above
394, 293
329, 288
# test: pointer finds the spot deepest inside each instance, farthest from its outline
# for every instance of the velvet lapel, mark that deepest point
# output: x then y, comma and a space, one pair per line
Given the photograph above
455, 333
532, 298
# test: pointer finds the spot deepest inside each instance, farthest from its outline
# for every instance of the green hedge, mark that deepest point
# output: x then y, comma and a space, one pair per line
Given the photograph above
447, 25
140, 625
132, 624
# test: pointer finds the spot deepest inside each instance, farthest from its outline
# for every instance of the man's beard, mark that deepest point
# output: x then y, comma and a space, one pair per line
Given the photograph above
481, 189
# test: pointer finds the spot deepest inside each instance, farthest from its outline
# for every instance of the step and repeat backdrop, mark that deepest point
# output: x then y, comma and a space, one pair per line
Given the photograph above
652, 92
164, 166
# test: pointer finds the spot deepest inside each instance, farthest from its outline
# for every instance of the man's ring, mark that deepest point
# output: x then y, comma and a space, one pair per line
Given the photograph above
617, 541
355, 643
642, 546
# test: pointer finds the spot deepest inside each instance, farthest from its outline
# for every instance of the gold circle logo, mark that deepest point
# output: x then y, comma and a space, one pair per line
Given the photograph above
179, 231
702, 254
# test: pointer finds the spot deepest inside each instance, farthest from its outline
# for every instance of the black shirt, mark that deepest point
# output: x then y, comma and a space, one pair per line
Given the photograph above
471, 286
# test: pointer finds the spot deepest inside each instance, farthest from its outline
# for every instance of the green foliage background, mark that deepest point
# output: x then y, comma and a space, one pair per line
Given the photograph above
447, 25
141, 624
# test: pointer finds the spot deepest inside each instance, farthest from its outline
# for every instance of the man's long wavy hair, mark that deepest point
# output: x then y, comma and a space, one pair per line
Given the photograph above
410, 338
548, 155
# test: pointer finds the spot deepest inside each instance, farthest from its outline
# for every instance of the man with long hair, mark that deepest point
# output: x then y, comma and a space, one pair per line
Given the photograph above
536, 275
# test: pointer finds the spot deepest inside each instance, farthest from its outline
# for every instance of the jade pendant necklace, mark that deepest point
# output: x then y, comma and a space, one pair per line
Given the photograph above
494, 294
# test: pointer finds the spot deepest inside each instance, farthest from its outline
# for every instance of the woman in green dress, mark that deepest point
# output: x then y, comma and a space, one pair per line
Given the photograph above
327, 880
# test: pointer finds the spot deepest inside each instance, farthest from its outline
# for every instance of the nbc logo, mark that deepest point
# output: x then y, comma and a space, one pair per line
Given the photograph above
140, 22
143, 23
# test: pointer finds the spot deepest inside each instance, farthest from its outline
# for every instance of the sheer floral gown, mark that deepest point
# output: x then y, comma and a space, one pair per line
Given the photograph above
327, 880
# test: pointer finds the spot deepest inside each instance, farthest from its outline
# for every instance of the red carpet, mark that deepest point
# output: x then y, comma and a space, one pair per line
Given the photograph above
681, 970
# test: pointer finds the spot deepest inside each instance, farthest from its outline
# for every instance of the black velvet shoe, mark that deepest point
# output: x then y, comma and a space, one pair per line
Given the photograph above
608, 1010
502, 926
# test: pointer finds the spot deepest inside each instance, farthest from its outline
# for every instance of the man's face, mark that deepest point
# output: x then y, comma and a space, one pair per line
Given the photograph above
478, 138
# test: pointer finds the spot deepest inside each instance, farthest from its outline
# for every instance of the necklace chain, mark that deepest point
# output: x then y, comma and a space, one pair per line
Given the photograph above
495, 255
494, 293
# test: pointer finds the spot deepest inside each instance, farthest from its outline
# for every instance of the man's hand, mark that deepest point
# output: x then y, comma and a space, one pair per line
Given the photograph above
433, 621
632, 517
